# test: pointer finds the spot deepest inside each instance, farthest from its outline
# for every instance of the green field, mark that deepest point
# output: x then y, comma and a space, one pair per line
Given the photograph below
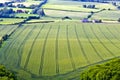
7, 21
6, 29
107, 15
59, 49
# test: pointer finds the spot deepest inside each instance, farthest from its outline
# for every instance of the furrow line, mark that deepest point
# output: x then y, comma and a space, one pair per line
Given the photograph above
10, 44
102, 43
43, 51
69, 49
108, 38
31, 48
81, 46
92, 44
112, 34
56, 51
21, 47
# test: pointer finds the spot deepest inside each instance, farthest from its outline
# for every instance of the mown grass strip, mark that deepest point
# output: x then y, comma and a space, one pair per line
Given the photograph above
56, 51
31, 48
80, 44
69, 49
92, 43
43, 51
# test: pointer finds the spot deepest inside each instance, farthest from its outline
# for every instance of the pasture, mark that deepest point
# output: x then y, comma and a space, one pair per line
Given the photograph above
60, 49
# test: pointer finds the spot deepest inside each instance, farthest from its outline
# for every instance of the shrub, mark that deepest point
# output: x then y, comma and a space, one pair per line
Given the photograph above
107, 71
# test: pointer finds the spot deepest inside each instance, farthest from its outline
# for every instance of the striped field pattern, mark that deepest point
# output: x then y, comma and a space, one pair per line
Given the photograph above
61, 47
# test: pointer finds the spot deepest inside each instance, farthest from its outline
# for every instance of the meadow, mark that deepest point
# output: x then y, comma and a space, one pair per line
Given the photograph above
60, 49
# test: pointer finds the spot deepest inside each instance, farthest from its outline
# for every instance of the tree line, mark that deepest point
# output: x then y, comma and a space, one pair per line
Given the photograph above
106, 71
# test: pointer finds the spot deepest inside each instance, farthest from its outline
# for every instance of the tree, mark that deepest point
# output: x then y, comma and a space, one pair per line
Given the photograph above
6, 74
119, 20
107, 71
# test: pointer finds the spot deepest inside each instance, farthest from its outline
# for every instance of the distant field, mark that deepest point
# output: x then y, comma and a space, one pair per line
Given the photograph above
10, 20
107, 15
60, 48
6, 29
69, 8
24, 15
59, 14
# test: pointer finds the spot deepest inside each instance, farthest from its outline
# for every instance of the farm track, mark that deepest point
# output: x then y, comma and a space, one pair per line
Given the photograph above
31, 48
20, 49
43, 51
56, 51
69, 49
102, 43
80, 44
92, 45
109, 39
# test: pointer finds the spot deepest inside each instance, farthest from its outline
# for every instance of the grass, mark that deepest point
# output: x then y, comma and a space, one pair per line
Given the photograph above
107, 15
24, 15
6, 29
60, 48
69, 8
10, 21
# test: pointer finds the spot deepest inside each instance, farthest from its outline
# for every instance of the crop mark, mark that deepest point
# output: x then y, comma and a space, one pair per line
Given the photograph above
43, 51
56, 51
81, 46
92, 44
69, 49
31, 48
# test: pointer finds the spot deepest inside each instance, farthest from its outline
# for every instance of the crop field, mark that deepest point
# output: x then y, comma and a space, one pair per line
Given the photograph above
6, 29
7, 21
60, 14
60, 48
109, 15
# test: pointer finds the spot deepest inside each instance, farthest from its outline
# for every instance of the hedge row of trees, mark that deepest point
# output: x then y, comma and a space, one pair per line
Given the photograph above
7, 13
107, 71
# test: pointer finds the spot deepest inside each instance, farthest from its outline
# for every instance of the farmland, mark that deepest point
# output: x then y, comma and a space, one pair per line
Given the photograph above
59, 48
6, 29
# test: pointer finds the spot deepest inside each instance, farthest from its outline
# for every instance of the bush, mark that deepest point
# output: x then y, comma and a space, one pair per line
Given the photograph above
6, 74
107, 71
119, 20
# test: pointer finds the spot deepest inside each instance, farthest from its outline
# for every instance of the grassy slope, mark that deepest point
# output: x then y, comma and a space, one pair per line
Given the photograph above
107, 15
44, 53
10, 20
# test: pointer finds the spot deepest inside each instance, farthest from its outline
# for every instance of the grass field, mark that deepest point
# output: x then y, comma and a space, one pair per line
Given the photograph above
6, 29
10, 21
107, 15
59, 49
